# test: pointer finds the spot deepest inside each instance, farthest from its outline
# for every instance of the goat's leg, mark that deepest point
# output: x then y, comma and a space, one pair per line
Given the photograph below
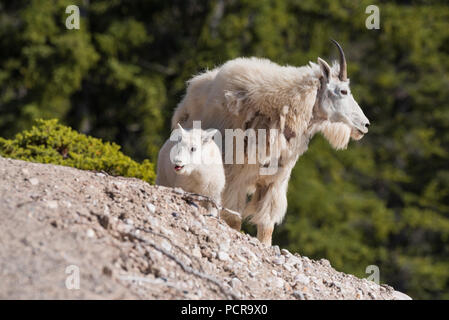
268, 207
234, 198
264, 233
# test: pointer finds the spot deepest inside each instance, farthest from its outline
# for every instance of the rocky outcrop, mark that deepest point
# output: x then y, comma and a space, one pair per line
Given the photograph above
126, 239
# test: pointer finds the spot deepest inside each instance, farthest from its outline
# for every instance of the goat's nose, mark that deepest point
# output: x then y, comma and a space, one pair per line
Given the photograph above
367, 125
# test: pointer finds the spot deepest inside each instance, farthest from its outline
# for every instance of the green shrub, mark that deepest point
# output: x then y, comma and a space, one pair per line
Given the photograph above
50, 142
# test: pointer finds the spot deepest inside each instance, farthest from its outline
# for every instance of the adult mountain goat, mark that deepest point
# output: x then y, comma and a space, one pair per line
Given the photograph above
253, 93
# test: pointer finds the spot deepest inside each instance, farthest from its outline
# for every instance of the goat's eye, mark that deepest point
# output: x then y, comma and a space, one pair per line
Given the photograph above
344, 92
193, 149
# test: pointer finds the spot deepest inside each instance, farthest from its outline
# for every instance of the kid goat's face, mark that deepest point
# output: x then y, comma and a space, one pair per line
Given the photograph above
186, 154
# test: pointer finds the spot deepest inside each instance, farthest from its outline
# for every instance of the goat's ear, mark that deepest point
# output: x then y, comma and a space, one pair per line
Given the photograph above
325, 69
176, 134
208, 135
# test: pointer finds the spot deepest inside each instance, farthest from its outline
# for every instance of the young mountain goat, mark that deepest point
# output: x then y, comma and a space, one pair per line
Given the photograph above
253, 93
191, 160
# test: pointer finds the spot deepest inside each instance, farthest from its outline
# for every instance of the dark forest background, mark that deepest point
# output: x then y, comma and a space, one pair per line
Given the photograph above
384, 201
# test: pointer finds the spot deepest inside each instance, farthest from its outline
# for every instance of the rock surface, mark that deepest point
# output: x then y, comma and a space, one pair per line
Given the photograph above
129, 240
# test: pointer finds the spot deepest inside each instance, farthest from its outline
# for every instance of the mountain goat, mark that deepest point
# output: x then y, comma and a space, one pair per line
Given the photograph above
253, 93
191, 160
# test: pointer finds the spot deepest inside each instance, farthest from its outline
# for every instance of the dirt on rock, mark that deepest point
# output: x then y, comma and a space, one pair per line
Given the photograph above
128, 239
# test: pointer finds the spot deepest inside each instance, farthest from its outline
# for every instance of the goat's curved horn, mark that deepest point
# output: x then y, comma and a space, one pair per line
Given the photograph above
343, 76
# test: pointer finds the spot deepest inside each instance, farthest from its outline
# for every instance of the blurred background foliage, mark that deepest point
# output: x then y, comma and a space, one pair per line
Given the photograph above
384, 201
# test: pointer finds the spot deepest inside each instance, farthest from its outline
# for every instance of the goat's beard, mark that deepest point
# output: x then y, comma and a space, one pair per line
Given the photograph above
337, 133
